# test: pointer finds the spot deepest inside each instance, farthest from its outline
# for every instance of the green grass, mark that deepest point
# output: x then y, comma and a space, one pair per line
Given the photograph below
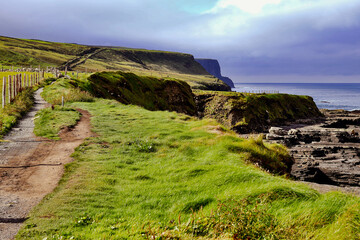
48, 122
68, 89
146, 170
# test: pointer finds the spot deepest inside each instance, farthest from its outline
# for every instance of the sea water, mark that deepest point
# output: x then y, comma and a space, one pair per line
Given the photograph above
326, 95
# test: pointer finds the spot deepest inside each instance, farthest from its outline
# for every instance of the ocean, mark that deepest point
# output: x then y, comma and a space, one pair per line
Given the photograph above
326, 95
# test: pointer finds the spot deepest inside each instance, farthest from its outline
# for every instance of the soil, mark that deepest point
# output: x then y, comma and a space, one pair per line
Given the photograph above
31, 167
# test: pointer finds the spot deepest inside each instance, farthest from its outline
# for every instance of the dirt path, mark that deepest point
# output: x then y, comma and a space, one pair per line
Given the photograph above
31, 167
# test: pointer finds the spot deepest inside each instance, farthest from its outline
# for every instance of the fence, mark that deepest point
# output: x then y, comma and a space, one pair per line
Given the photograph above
262, 91
12, 85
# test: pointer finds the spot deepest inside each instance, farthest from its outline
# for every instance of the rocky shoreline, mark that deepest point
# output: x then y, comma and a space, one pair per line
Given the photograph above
325, 151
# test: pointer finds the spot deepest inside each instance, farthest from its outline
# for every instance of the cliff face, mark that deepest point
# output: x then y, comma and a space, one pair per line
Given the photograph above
213, 67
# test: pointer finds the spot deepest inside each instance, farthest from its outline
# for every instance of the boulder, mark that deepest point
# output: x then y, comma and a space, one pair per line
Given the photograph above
277, 131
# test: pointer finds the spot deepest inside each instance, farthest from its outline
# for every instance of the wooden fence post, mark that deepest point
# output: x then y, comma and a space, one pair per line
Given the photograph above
20, 82
10, 89
4, 92
15, 85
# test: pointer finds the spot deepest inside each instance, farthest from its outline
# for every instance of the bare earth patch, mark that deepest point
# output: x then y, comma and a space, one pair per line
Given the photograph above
31, 167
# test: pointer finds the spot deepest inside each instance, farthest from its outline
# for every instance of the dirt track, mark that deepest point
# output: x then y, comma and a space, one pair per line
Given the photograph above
31, 167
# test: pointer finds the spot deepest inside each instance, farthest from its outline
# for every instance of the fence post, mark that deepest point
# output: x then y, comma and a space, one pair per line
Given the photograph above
4, 92
15, 85
62, 101
10, 89
18, 83
21, 84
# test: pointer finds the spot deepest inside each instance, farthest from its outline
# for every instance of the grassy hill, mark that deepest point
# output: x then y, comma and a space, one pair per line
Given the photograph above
164, 175
24, 52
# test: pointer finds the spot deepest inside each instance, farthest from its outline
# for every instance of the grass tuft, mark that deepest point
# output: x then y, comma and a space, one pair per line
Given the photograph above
48, 122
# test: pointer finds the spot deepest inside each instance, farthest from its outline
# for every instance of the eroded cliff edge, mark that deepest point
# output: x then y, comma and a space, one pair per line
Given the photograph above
255, 113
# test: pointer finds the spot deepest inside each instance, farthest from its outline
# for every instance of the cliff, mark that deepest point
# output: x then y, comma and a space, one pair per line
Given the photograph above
213, 67
253, 113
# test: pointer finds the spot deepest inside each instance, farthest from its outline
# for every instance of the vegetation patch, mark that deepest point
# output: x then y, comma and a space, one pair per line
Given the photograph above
67, 89
48, 122
14, 111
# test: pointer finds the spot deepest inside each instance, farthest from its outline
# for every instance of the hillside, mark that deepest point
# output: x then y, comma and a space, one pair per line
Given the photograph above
24, 52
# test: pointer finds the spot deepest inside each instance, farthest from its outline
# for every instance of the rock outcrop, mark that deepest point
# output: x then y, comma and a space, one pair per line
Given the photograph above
254, 113
213, 67
326, 153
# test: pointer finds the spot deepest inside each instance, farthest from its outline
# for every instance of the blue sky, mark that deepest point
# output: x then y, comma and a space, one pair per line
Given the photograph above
257, 40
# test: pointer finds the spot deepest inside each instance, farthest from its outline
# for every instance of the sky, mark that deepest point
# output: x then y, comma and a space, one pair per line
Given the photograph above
254, 40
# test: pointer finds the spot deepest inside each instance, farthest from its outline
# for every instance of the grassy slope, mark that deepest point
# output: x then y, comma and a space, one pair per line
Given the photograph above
22, 52
146, 168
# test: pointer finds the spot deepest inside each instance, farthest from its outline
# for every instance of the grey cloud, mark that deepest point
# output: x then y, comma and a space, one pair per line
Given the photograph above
317, 39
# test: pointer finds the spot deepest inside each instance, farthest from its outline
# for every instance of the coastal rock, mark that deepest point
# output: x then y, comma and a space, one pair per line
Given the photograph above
324, 153
277, 131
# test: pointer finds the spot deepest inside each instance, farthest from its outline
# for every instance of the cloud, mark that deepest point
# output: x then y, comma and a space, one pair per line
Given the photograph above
248, 37
253, 7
